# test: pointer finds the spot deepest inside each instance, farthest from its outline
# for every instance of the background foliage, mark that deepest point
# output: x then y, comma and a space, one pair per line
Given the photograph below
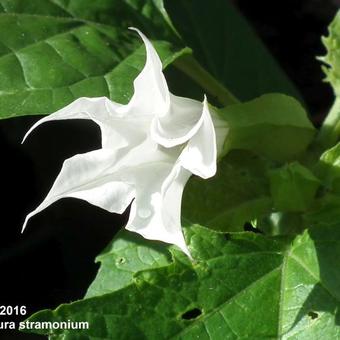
53, 52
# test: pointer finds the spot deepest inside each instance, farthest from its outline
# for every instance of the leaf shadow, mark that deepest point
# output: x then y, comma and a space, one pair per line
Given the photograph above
324, 297
318, 302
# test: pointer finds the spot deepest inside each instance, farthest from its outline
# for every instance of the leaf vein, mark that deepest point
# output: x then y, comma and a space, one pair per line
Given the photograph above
219, 307
317, 279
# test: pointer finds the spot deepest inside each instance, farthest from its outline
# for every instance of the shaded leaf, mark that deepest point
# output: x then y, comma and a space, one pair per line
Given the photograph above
293, 187
226, 45
328, 169
325, 211
282, 223
237, 194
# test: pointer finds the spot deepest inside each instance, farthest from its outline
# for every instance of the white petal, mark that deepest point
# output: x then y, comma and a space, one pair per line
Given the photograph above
199, 155
221, 131
88, 176
105, 178
101, 110
155, 212
179, 124
151, 94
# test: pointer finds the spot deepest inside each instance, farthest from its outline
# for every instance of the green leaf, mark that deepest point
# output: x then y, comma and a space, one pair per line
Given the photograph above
282, 223
237, 194
310, 287
55, 51
331, 60
144, 14
127, 254
51, 54
225, 45
287, 290
325, 211
293, 187
330, 129
328, 169
274, 125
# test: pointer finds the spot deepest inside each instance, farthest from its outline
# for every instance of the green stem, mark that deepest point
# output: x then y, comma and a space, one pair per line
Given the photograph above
189, 65
329, 131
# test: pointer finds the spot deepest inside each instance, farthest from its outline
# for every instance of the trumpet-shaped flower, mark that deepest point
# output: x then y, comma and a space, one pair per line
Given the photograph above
150, 148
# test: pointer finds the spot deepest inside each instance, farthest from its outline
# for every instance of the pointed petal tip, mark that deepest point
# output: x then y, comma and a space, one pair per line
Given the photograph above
25, 137
180, 245
137, 30
205, 103
27, 218
186, 251
25, 224
141, 34
34, 126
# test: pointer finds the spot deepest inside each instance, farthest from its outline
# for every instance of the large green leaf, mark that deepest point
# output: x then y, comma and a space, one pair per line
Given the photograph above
213, 29
274, 125
239, 286
51, 53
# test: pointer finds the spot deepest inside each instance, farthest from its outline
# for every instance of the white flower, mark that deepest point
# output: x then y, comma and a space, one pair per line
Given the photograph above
150, 148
